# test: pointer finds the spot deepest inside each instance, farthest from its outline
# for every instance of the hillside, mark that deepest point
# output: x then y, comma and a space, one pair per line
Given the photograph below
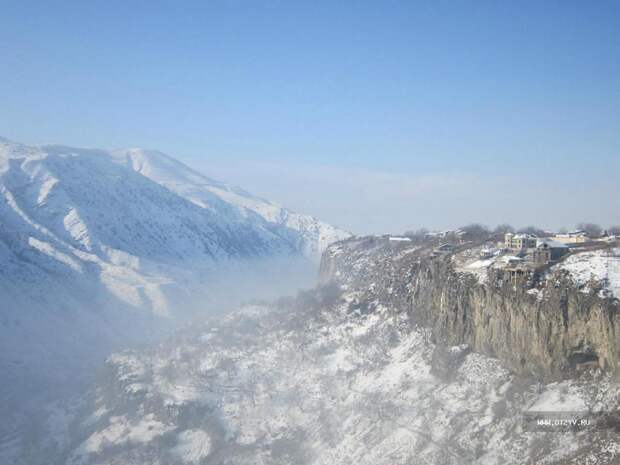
132, 220
387, 362
104, 249
326, 378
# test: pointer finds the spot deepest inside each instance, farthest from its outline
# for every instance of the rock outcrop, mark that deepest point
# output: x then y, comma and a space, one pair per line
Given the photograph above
547, 328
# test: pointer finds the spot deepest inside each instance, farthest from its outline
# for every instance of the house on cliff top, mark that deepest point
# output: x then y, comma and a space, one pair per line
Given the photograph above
519, 241
573, 237
536, 251
547, 251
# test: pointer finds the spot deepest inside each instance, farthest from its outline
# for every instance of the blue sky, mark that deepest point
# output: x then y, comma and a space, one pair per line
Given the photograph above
374, 115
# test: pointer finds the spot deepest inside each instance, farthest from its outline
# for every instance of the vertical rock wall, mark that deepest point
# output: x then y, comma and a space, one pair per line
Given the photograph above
549, 335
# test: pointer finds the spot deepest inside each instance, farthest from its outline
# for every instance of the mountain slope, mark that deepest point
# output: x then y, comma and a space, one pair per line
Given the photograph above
347, 373
126, 213
100, 249
318, 380
306, 233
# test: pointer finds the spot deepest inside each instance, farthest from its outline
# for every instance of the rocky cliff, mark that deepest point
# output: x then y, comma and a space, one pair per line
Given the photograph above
543, 325
351, 375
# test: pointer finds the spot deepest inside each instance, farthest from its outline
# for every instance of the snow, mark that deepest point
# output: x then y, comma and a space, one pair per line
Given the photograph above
551, 243
313, 235
559, 398
480, 268
599, 265
193, 446
469, 261
538, 293
101, 248
338, 387
511, 258
48, 249
121, 431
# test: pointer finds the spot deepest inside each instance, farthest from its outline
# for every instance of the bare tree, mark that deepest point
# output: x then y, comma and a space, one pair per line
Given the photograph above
503, 229
417, 235
533, 230
614, 230
476, 232
591, 229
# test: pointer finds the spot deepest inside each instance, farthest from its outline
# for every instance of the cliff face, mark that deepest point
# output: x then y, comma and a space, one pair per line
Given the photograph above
550, 333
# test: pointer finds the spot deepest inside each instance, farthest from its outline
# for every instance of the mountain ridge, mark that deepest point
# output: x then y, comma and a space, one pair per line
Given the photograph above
230, 201
100, 249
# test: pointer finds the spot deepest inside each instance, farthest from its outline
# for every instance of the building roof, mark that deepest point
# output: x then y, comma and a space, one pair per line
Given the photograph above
524, 236
551, 244
577, 232
400, 239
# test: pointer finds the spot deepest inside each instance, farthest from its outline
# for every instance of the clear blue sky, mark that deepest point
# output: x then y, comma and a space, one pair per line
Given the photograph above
373, 115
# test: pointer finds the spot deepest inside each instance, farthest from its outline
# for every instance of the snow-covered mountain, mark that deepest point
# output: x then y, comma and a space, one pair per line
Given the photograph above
96, 198
124, 213
138, 222
99, 246
305, 233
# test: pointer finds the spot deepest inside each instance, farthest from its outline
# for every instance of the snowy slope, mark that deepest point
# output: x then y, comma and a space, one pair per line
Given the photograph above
314, 382
79, 217
599, 266
131, 216
308, 234
101, 248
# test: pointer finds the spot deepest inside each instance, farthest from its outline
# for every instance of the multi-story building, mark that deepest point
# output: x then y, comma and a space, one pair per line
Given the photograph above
547, 251
519, 241
573, 237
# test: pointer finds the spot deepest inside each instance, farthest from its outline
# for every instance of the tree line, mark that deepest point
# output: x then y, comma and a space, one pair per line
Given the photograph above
478, 230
